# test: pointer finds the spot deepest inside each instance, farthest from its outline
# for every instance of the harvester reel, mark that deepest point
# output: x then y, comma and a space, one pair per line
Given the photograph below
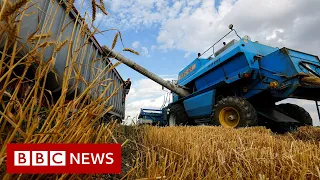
235, 112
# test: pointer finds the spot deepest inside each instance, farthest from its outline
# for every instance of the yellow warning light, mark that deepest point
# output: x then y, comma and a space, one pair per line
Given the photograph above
274, 84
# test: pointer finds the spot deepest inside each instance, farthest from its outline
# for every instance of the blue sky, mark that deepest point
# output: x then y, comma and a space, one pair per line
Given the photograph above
169, 33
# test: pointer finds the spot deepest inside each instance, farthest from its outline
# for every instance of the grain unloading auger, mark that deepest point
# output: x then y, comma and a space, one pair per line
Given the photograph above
239, 86
174, 88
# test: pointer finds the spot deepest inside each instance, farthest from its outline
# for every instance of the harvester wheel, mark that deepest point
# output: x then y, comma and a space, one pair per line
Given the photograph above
296, 112
235, 112
177, 115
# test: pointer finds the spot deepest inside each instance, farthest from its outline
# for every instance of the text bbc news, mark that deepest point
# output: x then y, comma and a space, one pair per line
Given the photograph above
58, 158
64, 158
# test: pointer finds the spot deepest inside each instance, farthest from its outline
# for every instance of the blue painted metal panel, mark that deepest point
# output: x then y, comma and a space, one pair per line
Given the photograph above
278, 63
191, 69
237, 59
252, 49
212, 63
234, 65
155, 115
312, 62
249, 48
228, 72
281, 66
200, 105
175, 97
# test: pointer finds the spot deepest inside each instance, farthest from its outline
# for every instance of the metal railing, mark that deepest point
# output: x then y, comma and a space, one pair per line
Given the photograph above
318, 109
212, 47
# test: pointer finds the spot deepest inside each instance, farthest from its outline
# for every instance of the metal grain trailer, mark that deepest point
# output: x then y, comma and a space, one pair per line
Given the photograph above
50, 20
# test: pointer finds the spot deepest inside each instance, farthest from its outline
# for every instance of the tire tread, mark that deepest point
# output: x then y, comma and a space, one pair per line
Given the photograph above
248, 115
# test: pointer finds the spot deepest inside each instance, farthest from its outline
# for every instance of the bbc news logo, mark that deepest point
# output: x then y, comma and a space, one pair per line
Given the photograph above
64, 158
40, 158
58, 158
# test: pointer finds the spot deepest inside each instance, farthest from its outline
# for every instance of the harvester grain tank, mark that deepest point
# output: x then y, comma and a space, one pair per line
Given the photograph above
240, 84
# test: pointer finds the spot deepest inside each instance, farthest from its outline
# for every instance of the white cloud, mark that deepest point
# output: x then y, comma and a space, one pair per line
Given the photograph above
187, 55
145, 51
146, 93
136, 13
275, 34
153, 47
136, 44
279, 23
146, 88
194, 25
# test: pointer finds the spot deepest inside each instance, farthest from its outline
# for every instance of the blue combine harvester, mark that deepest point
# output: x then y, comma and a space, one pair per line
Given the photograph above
155, 117
239, 86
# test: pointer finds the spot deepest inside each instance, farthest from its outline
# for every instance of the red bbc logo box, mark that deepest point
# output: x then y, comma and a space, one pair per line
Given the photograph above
64, 158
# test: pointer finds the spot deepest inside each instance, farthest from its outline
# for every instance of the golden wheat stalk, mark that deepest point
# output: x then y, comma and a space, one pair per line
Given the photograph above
131, 50
13, 8
115, 40
102, 9
39, 36
58, 48
94, 10
102, 4
69, 6
84, 29
46, 44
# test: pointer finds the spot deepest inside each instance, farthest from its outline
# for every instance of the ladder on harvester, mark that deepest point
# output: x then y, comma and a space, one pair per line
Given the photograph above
318, 109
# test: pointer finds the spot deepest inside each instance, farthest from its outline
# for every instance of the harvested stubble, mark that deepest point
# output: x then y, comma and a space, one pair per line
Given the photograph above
311, 134
219, 153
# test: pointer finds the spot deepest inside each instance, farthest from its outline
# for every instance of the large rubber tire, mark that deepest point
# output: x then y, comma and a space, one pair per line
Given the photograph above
244, 113
296, 112
178, 115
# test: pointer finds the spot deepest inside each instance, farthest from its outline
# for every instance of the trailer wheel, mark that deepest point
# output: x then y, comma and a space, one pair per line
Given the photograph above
177, 115
296, 112
235, 112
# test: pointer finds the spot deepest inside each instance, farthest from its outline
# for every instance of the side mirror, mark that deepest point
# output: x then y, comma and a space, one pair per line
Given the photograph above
231, 26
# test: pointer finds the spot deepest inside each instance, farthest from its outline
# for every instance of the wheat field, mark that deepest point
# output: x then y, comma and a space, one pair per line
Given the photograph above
219, 153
